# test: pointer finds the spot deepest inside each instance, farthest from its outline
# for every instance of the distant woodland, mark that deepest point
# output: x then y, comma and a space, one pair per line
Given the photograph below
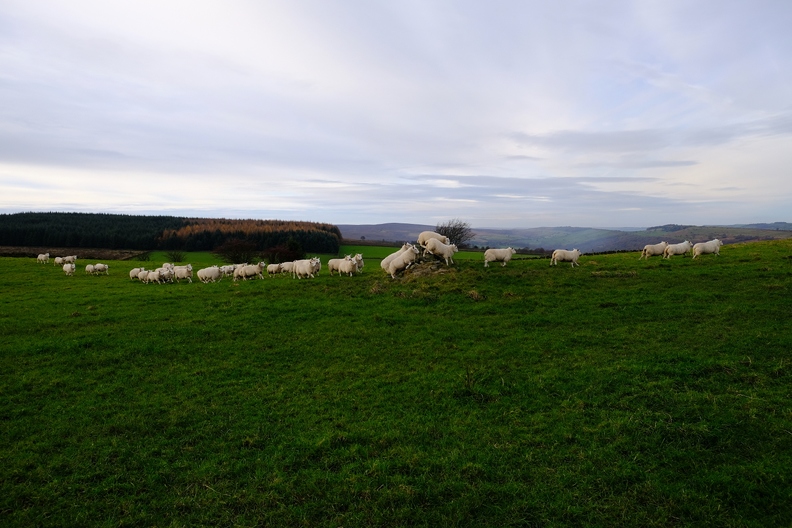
113, 231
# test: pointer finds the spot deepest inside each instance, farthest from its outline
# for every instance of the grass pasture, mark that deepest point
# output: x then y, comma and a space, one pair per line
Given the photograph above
619, 393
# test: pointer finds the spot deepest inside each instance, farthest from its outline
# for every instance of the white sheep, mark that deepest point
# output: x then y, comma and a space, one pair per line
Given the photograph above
677, 249
43, 258
498, 255
250, 271
403, 261
210, 274
564, 255
653, 249
426, 236
304, 268
703, 248
358, 258
273, 269
58, 261
435, 247
385, 264
99, 268
89, 268
133, 273
183, 272
348, 266
165, 274
227, 270
69, 269
333, 264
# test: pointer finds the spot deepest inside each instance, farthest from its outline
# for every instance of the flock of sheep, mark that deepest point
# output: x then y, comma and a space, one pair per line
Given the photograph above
432, 243
668, 250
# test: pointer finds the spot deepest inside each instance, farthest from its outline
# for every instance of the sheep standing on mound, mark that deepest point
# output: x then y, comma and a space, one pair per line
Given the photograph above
435, 247
402, 261
385, 264
425, 236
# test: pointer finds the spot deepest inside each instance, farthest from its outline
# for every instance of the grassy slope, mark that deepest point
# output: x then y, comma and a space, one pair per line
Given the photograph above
619, 393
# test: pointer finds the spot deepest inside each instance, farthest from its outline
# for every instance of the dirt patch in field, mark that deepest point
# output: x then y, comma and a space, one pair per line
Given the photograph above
82, 253
423, 269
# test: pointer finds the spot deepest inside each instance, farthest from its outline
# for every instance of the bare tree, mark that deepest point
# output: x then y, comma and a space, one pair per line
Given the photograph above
457, 231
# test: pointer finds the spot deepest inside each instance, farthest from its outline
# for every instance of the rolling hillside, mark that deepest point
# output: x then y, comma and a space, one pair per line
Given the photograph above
586, 239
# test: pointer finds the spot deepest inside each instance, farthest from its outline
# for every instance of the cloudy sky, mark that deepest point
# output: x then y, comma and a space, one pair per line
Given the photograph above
500, 113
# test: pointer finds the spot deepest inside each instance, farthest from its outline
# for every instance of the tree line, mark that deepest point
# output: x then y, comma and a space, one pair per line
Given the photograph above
117, 231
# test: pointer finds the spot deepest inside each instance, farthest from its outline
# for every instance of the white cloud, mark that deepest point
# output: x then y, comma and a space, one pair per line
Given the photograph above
505, 114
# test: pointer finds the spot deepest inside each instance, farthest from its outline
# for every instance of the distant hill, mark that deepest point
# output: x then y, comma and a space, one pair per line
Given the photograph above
780, 226
588, 240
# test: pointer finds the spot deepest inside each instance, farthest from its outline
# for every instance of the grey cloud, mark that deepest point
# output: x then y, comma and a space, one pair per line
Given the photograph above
636, 164
649, 140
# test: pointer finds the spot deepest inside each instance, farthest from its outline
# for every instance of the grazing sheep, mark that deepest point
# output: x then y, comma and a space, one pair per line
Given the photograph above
435, 247
564, 255
677, 249
403, 261
703, 248
498, 255
653, 249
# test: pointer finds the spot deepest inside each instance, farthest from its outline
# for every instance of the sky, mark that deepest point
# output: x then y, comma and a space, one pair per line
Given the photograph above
504, 114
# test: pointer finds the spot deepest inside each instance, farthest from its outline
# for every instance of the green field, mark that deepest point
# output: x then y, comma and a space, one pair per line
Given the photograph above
619, 393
